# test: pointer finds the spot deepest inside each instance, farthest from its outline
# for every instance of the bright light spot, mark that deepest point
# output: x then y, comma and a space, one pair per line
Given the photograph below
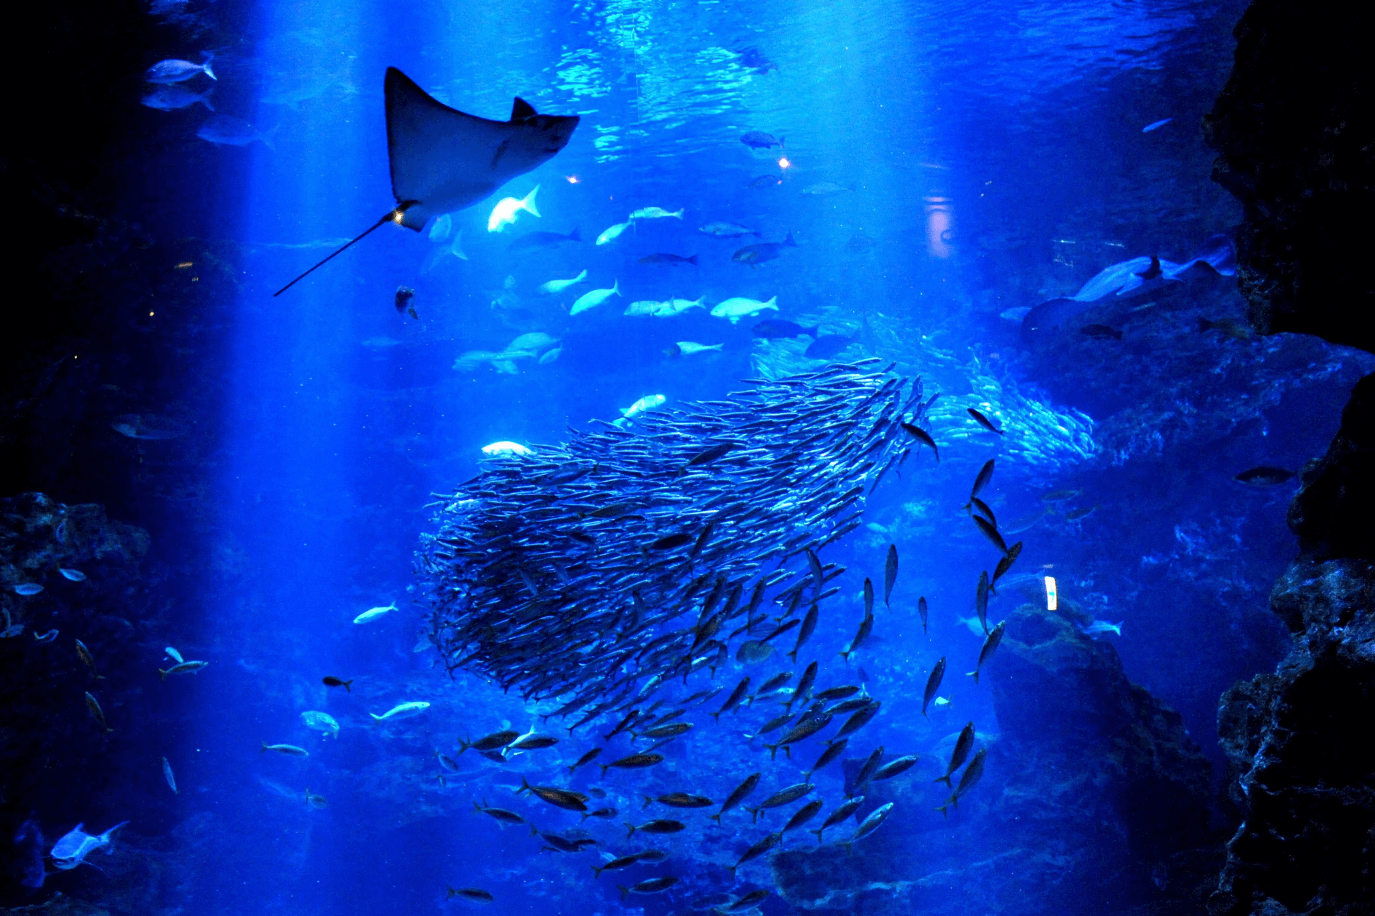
397, 216
783, 162
1051, 598
150, 314
571, 179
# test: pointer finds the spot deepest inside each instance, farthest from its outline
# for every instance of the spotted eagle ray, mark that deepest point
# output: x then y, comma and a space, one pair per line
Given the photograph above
443, 160
1128, 279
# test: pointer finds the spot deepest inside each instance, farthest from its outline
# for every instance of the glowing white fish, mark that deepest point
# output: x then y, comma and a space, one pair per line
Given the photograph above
741, 307
373, 613
611, 234
72, 575
558, 286
505, 448
1052, 599
508, 208
594, 298
641, 407
656, 213
402, 710
321, 722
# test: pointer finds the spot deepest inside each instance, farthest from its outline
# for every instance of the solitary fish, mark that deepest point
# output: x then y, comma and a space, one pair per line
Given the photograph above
373, 613
890, 573
649, 886
757, 139
27, 589
933, 684
175, 71
921, 609
69, 852
167, 775
989, 647
402, 710
738, 794
93, 707
1264, 476
558, 286
984, 476
963, 745
331, 681
613, 232
290, 750
846, 810
85, 655
474, 894
321, 722
508, 208
72, 575
190, 667
984, 421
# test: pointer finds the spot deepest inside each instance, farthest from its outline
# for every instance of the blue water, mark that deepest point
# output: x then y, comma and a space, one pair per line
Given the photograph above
983, 156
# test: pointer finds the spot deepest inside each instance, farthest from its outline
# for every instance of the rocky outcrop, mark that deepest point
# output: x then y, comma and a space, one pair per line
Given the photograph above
1303, 763
1094, 801
1294, 131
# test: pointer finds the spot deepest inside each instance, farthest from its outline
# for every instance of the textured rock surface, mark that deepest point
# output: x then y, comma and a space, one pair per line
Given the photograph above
1094, 801
1293, 129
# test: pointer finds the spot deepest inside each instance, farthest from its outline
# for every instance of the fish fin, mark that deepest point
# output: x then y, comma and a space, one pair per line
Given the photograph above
527, 203
264, 747
205, 66
576, 236
631, 828
692, 259
163, 672
521, 109
788, 242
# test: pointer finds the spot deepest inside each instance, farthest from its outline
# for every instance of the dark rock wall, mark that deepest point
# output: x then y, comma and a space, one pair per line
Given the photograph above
1295, 134
1296, 144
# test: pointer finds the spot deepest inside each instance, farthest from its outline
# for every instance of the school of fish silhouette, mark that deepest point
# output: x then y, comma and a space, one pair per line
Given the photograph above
601, 571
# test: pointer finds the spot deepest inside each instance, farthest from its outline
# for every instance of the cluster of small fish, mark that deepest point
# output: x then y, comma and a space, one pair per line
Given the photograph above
562, 573
555, 573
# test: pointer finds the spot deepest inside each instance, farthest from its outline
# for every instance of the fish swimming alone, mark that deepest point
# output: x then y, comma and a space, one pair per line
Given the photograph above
402, 710
444, 160
373, 613
70, 851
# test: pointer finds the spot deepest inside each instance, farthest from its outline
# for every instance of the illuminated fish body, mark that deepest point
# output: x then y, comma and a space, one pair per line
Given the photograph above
70, 851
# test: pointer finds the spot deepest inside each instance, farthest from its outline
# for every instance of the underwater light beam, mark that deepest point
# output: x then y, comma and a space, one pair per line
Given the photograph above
443, 160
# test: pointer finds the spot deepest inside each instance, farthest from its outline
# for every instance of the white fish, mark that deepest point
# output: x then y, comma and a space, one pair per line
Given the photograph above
1156, 125
174, 655
940, 702
656, 213
456, 249
27, 588
441, 228
188, 667
289, 750
532, 342
594, 298
550, 355
175, 98
68, 852
1052, 594
322, 722
640, 407
558, 286
741, 307
46, 637
612, 233
174, 71
1102, 626
374, 613
644, 307
687, 347
402, 710
678, 306
508, 208
72, 575
167, 775
505, 447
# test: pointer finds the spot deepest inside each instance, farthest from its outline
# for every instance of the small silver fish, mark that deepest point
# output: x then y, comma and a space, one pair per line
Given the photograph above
289, 750
27, 588
72, 575
167, 775
46, 637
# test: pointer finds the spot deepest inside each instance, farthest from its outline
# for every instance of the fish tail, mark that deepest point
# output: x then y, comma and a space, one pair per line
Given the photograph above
596, 872
478, 807
974, 674
625, 891
945, 779
692, 259
534, 831
604, 767
773, 750
648, 801
524, 786
206, 68
818, 834
631, 828
789, 240
941, 809
528, 203
716, 717
163, 672
717, 818
264, 747
348, 688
